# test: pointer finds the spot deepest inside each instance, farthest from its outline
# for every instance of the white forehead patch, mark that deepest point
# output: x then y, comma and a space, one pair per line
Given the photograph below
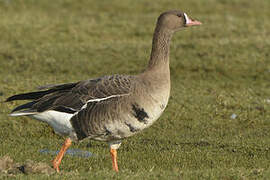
187, 19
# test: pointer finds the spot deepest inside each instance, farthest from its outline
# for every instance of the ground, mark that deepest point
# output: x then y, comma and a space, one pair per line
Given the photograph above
216, 125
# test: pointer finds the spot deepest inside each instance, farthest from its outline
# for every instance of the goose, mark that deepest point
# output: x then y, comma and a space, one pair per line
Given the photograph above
109, 108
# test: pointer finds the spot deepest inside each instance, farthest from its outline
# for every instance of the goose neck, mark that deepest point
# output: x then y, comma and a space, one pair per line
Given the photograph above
160, 49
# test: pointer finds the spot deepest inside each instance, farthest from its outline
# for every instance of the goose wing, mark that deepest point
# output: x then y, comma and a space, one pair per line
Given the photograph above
71, 97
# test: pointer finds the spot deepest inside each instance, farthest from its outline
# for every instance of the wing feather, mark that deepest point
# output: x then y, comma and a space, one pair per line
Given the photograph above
72, 97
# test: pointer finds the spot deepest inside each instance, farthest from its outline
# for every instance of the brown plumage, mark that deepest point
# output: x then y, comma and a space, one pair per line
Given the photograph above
109, 108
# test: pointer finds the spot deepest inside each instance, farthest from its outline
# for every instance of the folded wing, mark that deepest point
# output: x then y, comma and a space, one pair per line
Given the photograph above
71, 97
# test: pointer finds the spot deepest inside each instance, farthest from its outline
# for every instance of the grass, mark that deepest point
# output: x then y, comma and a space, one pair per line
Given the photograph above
219, 69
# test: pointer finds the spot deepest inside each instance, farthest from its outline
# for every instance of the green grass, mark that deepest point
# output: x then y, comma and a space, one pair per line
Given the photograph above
218, 69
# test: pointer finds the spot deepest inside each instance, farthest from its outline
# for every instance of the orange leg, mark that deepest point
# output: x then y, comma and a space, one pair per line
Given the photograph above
57, 161
114, 159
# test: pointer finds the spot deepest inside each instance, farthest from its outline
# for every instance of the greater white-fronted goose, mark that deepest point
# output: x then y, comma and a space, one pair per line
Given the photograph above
109, 108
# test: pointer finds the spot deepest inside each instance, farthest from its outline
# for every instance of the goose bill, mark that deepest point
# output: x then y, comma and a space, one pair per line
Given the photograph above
191, 22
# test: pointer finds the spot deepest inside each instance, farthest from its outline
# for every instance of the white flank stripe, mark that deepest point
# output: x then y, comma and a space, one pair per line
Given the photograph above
101, 99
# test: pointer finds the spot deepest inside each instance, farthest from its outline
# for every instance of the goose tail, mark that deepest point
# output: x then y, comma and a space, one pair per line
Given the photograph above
23, 113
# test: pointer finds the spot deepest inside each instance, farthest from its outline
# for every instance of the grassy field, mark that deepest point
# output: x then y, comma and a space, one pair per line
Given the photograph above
217, 123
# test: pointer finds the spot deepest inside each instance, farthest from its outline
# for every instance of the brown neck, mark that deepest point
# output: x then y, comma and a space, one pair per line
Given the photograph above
159, 58
157, 73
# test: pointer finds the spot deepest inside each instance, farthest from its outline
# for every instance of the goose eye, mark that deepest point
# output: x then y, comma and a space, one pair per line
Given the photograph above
179, 15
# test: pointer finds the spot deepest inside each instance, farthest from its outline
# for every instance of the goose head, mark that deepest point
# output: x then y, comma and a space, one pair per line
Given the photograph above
175, 20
